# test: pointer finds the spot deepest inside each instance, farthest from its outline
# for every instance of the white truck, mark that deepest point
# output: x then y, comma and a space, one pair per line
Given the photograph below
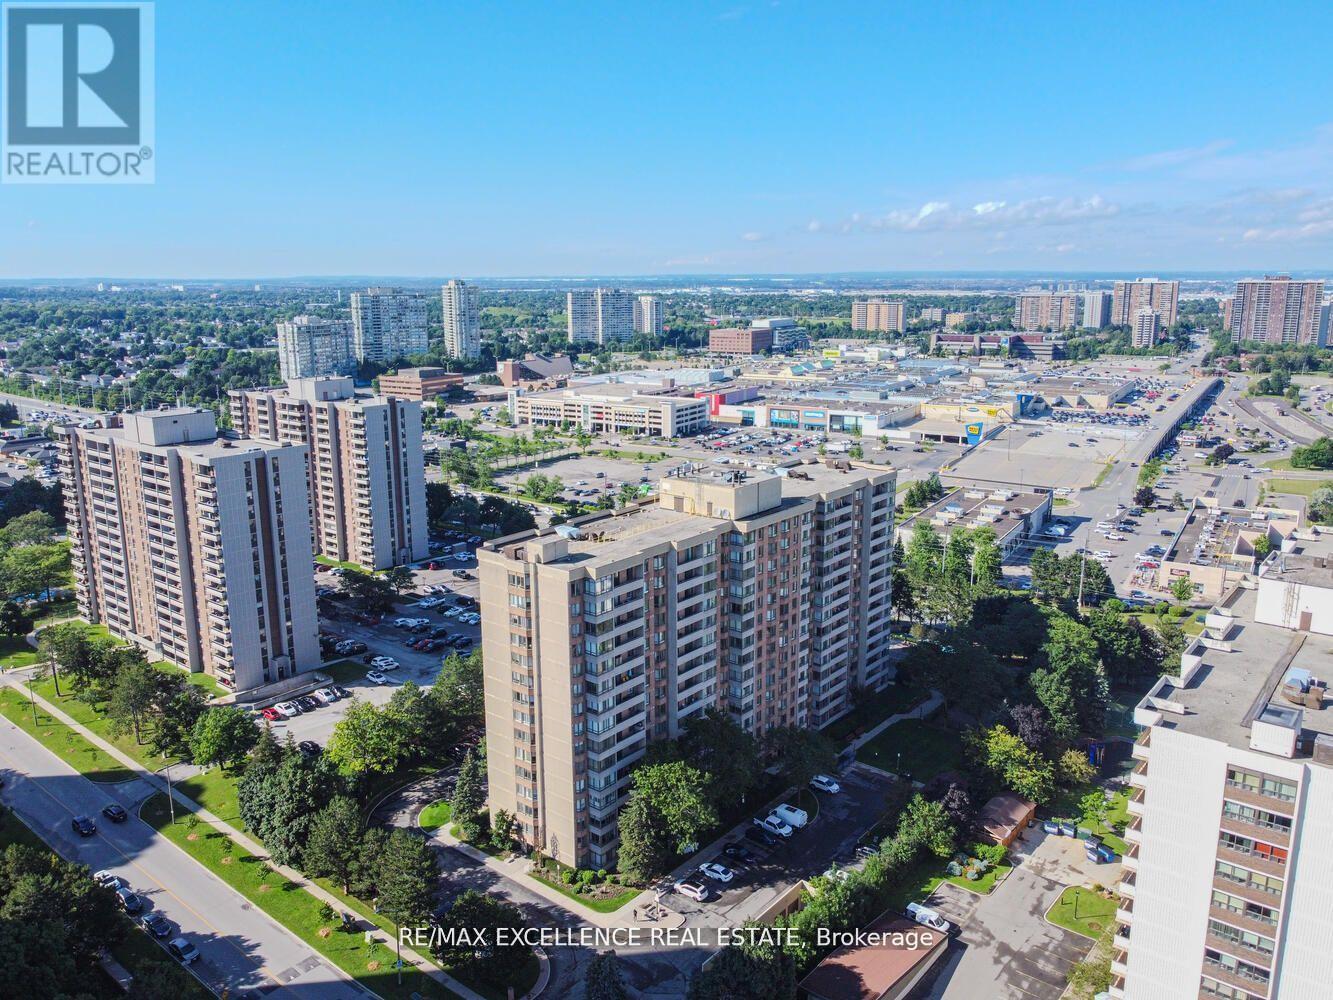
794, 817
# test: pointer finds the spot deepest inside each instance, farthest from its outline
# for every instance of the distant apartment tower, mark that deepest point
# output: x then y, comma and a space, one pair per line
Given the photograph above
763, 596
311, 347
461, 310
367, 478
1128, 297
1147, 328
1096, 310
388, 324
600, 315
1043, 310
879, 315
193, 546
1276, 310
933, 314
648, 315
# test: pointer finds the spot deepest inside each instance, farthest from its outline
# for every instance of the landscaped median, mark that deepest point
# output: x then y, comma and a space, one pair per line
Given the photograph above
314, 922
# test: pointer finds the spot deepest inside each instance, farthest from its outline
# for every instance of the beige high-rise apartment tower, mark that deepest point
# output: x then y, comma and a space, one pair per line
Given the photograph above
366, 471
195, 547
880, 315
738, 590
1128, 297
1047, 310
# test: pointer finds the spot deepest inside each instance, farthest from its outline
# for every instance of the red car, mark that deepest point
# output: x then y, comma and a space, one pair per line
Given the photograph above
272, 714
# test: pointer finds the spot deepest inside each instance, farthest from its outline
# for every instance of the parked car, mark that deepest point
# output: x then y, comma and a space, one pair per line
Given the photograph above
271, 714
717, 872
384, 663
761, 836
927, 917
375, 677
696, 889
287, 709
129, 900
307, 703
326, 696
341, 691
792, 816
107, 880
774, 824
309, 747
155, 924
738, 853
115, 813
183, 950
83, 826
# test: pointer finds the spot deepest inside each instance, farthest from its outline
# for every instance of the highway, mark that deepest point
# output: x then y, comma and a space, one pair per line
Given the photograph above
26, 405
242, 950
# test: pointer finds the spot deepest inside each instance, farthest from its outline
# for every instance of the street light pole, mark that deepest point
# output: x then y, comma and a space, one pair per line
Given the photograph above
171, 799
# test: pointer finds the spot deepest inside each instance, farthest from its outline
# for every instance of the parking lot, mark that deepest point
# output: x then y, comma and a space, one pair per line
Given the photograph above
830, 837
384, 639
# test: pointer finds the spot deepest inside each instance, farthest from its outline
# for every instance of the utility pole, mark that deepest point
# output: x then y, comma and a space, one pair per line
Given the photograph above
1083, 565
171, 800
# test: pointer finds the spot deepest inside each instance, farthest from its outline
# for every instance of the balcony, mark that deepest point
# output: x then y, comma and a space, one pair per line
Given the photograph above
1134, 806
1119, 966
1134, 831
1124, 911
1130, 860
1140, 749
1239, 977
1138, 778
1256, 827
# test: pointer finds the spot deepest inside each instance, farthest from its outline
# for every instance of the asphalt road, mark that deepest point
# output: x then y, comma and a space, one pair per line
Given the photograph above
242, 950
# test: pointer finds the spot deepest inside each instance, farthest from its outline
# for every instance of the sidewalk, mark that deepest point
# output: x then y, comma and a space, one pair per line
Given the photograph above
921, 711
254, 847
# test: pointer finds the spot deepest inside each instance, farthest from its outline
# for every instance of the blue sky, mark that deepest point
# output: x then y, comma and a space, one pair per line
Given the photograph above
479, 139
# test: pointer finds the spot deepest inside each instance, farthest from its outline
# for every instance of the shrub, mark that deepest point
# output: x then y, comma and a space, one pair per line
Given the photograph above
601, 874
586, 877
991, 853
567, 876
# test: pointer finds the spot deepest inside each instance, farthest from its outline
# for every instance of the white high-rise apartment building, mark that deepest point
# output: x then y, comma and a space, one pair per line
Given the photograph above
601, 315
312, 347
366, 470
388, 324
1096, 310
1225, 890
462, 320
193, 546
1147, 328
648, 315
764, 596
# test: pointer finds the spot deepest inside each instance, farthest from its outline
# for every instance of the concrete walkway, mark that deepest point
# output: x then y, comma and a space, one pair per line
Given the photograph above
251, 845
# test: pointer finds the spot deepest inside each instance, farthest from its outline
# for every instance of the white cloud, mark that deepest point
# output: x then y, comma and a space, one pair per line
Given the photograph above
1177, 157
754, 237
941, 216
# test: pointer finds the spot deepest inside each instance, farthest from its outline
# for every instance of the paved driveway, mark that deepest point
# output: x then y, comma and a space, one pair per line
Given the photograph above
1006, 950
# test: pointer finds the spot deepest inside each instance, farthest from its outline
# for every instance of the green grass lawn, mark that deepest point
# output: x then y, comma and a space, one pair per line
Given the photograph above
435, 815
326, 561
872, 710
1279, 464
371, 965
90, 761
926, 749
345, 671
200, 680
1066, 805
1062, 502
1190, 624
1297, 487
55, 612
1082, 911
86, 715
215, 790
15, 652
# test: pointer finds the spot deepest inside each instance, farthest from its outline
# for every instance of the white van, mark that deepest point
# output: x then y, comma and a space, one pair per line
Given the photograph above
794, 817
927, 917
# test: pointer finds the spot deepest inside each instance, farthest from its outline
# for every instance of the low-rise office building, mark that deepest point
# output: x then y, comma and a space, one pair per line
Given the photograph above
193, 546
613, 408
1215, 549
535, 369
420, 384
1015, 516
733, 340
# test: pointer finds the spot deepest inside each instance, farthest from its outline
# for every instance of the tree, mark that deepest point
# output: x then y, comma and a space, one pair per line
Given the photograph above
645, 847
222, 735
65, 647
278, 801
1071, 685
1220, 454
602, 979
34, 569
1182, 589
1029, 725
14, 621
468, 799
926, 825
334, 847
1121, 640
759, 969
1144, 496
1262, 546
366, 738
176, 706
1014, 764
133, 694
1074, 769
799, 753
459, 691
725, 752
374, 593
496, 922
1317, 455
399, 579
987, 562
406, 875
1320, 508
